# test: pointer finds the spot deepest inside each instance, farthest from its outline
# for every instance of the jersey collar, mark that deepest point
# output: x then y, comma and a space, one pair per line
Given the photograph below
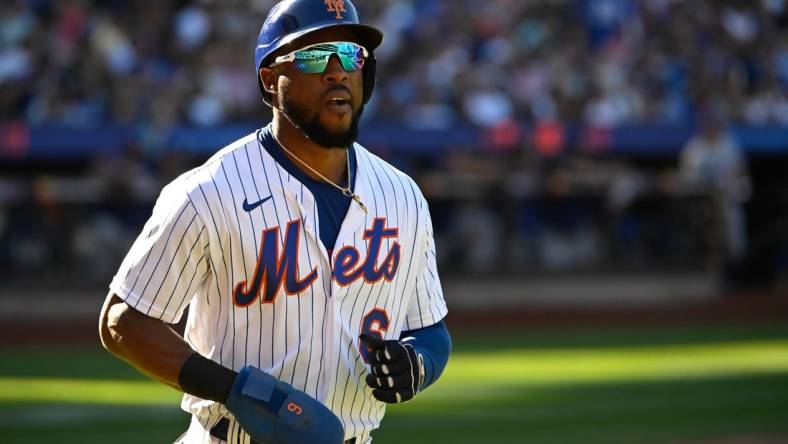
297, 192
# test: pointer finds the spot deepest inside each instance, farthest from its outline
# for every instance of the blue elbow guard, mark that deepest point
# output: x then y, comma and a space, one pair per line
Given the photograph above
272, 411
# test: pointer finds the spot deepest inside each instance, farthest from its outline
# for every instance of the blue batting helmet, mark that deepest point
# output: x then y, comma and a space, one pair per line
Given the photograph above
290, 19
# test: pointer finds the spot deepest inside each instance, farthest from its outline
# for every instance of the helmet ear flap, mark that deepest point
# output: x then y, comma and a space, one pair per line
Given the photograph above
369, 76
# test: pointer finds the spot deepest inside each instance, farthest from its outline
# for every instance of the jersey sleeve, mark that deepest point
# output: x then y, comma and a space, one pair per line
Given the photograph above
168, 261
427, 306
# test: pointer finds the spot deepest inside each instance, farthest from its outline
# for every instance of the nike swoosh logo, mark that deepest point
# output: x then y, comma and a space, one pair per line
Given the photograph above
251, 206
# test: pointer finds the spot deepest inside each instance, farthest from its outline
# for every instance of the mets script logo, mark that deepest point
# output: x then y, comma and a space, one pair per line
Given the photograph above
277, 269
337, 6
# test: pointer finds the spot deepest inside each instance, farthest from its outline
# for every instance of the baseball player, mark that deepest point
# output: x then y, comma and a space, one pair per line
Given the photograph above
307, 262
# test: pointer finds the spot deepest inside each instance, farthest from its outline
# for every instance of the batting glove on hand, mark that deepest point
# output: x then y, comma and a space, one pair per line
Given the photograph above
397, 369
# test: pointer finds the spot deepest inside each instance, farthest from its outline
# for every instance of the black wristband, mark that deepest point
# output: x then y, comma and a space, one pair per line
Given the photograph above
206, 379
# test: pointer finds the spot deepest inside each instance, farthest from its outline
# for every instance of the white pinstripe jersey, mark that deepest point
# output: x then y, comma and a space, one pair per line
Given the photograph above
261, 287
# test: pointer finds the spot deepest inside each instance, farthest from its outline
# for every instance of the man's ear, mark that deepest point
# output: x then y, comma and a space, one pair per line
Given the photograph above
268, 78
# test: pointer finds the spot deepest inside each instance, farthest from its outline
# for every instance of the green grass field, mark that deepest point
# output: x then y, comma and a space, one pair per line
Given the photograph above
650, 385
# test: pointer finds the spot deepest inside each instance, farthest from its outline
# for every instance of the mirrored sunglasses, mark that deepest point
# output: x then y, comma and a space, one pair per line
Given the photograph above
313, 59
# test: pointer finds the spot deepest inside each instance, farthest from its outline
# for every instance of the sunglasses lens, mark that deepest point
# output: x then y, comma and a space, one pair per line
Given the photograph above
314, 60
351, 56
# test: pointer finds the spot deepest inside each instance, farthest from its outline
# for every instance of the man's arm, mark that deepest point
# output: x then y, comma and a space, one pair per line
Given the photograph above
155, 349
147, 342
255, 398
434, 344
400, 368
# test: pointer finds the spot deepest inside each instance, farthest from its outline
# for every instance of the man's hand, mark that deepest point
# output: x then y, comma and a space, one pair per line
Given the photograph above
397, 369
273, 411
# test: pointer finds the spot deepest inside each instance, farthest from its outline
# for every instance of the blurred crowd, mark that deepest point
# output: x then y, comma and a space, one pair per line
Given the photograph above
513, 203
443, 62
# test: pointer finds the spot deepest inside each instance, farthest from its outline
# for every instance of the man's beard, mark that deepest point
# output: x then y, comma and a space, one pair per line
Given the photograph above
299, 115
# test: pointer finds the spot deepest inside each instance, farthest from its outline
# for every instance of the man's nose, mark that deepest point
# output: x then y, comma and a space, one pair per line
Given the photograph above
334, 72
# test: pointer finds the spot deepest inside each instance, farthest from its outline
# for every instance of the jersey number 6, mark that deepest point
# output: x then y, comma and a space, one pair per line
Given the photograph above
376, 322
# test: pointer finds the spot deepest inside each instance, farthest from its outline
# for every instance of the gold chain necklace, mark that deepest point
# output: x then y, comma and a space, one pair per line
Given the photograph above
345, 190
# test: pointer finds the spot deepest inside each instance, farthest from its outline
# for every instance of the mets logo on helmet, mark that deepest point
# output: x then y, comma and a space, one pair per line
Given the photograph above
337, 6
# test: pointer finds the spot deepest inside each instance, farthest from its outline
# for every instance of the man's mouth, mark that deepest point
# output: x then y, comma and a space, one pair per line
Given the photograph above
338, 104
339, 101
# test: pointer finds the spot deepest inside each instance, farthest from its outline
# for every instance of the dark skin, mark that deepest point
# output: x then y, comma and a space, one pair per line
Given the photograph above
312, 90
151, 345
148, 344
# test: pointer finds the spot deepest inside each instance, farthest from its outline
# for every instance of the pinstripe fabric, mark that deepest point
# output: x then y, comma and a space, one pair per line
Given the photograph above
200, 245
